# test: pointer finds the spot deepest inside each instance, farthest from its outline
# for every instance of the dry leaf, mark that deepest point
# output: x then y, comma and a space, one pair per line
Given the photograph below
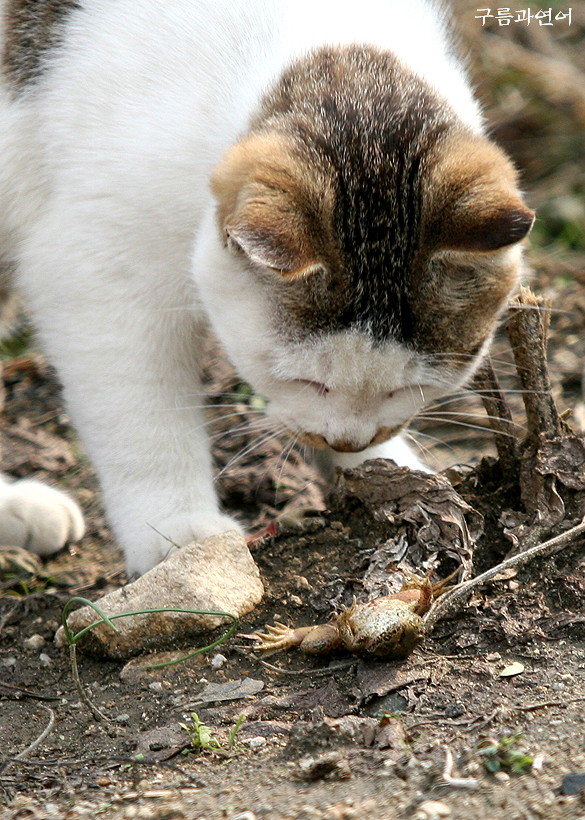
515, 668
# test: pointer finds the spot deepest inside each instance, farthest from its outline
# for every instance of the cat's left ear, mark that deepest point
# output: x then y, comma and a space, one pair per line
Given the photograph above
263, 206
475, 204
266, 247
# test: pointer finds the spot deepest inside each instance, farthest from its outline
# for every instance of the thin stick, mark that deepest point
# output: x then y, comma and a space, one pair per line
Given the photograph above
453, 601
138, 761
32, 746
83, 694
499, 415
527, 330
456, 782
27, 693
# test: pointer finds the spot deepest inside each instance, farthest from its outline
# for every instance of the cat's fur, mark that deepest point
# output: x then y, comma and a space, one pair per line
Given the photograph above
312, 178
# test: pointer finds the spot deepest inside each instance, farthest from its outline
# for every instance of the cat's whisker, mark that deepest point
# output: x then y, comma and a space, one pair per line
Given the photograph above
453, 414
460, 397
439, 442
285, 456
457, 357
483, 429
423, 449
257, 425
216, 419
255, 445
411, 391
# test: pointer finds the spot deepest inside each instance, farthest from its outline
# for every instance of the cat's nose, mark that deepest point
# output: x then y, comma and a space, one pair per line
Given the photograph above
344, 445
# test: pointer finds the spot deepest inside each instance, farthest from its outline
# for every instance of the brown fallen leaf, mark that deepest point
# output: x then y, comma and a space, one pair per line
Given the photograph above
425, 517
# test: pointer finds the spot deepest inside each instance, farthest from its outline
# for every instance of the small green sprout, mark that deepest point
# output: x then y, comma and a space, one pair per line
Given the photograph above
503, 755
202, 739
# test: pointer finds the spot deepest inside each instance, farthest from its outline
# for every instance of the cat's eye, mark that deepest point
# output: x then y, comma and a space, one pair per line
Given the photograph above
321, 389
390, 395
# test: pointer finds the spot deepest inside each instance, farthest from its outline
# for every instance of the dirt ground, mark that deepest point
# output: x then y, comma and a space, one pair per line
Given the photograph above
333, 738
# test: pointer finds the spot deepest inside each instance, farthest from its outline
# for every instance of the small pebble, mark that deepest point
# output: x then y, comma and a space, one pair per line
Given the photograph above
156, 686
34, 642
502, 777
218, 661
255, 742
123, 719
246, 815
45, 660
432, 810
10, 662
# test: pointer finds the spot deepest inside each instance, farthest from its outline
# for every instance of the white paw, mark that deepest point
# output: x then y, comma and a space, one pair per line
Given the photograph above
159, 539
38, 517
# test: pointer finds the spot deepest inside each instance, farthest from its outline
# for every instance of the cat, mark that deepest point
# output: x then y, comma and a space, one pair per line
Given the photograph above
311, 179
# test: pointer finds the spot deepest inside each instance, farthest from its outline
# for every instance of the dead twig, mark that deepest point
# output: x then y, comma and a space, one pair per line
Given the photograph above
452, 601
87, 761
499, 416
558, 80
5, 764
28, 693
326, 670
545, 704
456, 782
527, 331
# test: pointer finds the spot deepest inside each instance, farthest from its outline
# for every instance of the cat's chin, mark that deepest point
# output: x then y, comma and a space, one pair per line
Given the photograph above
342, 445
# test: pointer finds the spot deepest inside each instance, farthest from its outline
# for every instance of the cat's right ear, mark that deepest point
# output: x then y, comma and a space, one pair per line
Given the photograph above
262, 206
474, 199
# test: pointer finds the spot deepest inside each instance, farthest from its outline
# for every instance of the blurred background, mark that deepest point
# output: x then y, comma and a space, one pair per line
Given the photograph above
527, 64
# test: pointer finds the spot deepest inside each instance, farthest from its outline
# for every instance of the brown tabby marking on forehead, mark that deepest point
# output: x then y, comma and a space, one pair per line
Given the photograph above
356, 128
354, 177
370, 123
32, 29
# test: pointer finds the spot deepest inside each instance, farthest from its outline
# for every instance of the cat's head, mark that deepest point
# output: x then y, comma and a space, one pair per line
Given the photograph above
367, 245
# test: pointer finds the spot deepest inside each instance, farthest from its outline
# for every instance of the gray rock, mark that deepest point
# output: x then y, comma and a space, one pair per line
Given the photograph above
215, 574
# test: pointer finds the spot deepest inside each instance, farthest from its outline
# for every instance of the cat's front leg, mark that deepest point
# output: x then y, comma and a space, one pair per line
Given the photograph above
145, 431
127, 345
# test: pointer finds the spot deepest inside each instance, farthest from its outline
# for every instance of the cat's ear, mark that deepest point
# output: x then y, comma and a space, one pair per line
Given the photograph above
475, 201
262, 206
265, 247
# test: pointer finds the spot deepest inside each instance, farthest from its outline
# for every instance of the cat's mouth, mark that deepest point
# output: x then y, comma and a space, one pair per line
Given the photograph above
343, 445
